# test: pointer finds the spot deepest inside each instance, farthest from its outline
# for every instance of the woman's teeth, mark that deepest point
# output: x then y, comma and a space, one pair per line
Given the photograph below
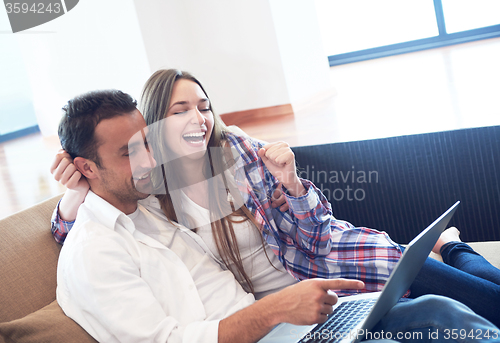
194, 137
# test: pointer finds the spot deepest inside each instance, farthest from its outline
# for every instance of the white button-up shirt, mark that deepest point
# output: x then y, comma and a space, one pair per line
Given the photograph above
138, 278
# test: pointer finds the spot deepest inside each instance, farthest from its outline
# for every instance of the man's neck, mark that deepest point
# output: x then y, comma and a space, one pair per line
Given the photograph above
127, 207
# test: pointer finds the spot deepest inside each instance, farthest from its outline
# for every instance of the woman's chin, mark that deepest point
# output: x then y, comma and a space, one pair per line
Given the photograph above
197, 155
194, 150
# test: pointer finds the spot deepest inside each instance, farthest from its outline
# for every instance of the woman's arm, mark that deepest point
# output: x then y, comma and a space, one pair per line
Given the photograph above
307, 217
77, 186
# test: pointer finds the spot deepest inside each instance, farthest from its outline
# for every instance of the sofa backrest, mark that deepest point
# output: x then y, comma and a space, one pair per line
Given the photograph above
28, 261
401, 184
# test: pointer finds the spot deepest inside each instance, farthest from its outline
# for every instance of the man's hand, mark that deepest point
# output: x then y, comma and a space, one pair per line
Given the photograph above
280, 160
66, 173
309, 301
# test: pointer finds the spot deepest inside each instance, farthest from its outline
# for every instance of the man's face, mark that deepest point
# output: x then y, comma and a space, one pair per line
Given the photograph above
126, 160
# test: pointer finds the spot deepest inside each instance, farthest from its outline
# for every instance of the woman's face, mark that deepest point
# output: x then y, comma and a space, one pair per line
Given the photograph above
189, 121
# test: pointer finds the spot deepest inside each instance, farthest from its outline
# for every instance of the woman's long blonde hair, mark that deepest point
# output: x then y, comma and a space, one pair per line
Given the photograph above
155, 101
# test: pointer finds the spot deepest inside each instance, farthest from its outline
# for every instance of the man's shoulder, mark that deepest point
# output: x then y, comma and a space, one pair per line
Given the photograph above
88, 227
93, 223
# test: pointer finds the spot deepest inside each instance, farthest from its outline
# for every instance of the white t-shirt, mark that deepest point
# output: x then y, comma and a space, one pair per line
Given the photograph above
265, 278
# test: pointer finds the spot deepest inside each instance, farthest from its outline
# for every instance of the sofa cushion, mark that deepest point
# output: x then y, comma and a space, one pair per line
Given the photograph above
48, 324
28, 256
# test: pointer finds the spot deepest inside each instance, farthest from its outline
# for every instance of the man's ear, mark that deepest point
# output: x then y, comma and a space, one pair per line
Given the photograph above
87, 167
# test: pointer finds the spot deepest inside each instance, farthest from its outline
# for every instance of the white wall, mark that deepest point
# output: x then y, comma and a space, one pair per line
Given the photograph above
229, 45
249, 54
304, 61
97, 45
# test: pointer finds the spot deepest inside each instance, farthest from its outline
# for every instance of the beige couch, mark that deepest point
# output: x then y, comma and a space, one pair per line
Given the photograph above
28, 260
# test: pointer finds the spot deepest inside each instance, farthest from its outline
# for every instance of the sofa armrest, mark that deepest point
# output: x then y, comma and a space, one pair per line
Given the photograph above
28, 256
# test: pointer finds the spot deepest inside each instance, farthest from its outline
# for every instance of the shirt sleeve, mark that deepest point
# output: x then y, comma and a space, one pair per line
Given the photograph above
59, 227
309, 219
308, 222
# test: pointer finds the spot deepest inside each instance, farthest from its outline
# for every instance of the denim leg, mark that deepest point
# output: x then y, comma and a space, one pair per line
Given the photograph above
463, 257
433, 318
482, 296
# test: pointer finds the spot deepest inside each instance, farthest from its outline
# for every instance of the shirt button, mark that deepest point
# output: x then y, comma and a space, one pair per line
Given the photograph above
191, 287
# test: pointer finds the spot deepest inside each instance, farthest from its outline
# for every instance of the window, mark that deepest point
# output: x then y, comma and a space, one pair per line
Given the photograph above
17, 114
357, 30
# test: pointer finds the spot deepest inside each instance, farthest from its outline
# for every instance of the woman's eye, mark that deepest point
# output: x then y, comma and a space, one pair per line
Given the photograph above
205, 110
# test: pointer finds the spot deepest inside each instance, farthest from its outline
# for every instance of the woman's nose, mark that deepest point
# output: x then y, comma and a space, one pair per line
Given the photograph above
198, 118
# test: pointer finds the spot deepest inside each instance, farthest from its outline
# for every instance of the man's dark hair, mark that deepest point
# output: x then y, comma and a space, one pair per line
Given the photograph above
81, 116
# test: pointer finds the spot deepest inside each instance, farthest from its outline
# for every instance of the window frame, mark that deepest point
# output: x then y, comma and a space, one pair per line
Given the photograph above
443, 39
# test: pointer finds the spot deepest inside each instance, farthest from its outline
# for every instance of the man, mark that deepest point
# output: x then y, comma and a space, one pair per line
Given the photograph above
127, 274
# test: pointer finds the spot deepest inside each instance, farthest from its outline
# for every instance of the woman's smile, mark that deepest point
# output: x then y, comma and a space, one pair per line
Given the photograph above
195, 139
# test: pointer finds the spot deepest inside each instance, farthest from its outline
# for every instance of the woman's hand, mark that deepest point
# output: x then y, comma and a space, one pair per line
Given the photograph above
66, 173
278, 199
280, 160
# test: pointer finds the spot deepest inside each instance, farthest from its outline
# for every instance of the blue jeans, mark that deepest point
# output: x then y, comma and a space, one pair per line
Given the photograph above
465, 276
432, 318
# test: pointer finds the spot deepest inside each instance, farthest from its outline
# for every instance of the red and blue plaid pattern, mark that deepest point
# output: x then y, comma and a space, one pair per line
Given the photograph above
308, 240
59, 227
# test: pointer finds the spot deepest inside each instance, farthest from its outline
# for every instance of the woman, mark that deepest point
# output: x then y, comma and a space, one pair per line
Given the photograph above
238, 222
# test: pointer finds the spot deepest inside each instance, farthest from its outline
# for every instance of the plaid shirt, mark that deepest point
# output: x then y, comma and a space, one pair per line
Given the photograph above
307, 239
59, 227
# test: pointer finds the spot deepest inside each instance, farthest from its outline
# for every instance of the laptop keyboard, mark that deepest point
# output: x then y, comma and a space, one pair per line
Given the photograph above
341, 322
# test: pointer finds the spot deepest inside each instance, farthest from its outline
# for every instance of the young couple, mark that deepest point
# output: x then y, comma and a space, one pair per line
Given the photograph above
124, 260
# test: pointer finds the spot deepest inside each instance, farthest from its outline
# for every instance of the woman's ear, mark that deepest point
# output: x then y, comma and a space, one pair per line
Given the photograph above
87, 167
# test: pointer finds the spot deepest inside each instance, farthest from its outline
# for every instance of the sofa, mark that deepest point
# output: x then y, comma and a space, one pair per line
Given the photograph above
28, 257
28, 253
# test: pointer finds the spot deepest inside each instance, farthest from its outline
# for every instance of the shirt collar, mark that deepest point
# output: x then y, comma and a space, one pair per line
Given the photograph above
107, 214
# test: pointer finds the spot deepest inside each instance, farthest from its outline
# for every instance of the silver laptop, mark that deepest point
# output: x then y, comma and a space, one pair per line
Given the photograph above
355, 315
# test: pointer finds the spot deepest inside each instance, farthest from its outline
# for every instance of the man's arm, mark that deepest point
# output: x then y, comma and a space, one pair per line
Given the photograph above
113, 287
307, 302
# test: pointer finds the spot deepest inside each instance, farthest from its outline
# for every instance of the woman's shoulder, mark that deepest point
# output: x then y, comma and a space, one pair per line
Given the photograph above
236, 136
237, 131
245, 146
